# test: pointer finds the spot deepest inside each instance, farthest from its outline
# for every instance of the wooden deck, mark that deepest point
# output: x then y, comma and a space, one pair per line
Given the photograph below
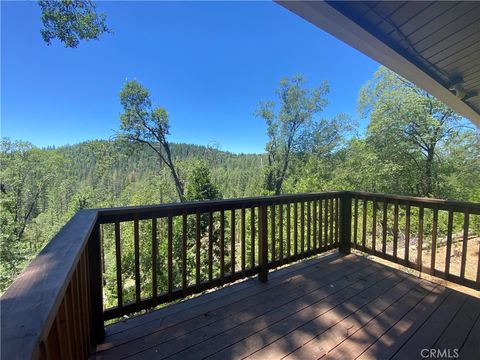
330, 307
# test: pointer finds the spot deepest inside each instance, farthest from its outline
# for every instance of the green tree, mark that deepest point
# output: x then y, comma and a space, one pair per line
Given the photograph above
26, 173
199, 185
71, 21
320, 156
408, 127
143, 123
291, 127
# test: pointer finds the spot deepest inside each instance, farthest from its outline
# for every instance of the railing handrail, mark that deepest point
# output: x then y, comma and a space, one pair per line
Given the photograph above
29, 305
461, 206
128, 213
176, 208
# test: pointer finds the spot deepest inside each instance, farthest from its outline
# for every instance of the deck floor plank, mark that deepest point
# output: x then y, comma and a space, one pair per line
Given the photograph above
325, 341
330, 306
389, 343
426, 336
271, 340
187, 333
458, 330
354, 345
209, 339
471, 348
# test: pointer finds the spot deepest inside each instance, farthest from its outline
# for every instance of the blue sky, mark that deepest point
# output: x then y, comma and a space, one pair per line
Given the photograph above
207, 63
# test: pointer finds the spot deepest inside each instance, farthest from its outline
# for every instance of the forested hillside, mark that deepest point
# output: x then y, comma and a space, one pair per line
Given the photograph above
414, 145
43, 188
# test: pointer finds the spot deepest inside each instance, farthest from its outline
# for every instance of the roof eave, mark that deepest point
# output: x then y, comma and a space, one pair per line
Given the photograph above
332, 21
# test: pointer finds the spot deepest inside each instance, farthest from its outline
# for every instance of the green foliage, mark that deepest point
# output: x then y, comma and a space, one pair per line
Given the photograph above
199, 185
409, 129
292, 128
71, 21
26, 174
42, 188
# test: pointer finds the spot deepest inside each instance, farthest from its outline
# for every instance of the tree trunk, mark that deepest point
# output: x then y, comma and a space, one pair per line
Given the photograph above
428, 188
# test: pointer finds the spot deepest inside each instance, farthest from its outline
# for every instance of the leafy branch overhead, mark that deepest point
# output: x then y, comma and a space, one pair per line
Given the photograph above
71, 21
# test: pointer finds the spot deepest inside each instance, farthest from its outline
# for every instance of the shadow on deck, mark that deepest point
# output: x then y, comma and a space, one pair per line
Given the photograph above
329, 307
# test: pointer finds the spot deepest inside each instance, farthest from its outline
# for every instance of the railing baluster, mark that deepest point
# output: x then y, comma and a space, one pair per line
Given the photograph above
72, 318
222, 246
118, 264
66, 351
345, 222
280, 233
355, 222
83, 302
197, 248
289, 230
252, 237
170, 256
78, 312
154, 261
184, 251
136, 245
331, 221
96, 284
478, 264
449, 242
434, 240
315, 248
87, 298
90, 310
309, 228
263, 242
272, 235
232, 242
243, 239
210, 246
52, 345
337, 221
325, 223
295, 230
302, 228
466, 219
384, 227
407, 234
374, 224
420, 239
364, 224
320, 224
395, 230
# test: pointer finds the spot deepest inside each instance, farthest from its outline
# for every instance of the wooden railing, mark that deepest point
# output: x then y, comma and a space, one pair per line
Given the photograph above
54, 308
429, 235
107, 263
207, 244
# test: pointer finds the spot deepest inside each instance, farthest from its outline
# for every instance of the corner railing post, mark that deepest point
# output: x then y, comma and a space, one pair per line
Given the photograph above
96, 292
263, 242
345, 222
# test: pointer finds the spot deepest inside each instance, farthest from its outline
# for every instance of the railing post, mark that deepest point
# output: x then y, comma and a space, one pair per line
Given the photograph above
96, 292
345, 223
263, 242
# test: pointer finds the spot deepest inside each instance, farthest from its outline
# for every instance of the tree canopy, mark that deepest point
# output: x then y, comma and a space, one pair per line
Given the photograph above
71, 21
290, 125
